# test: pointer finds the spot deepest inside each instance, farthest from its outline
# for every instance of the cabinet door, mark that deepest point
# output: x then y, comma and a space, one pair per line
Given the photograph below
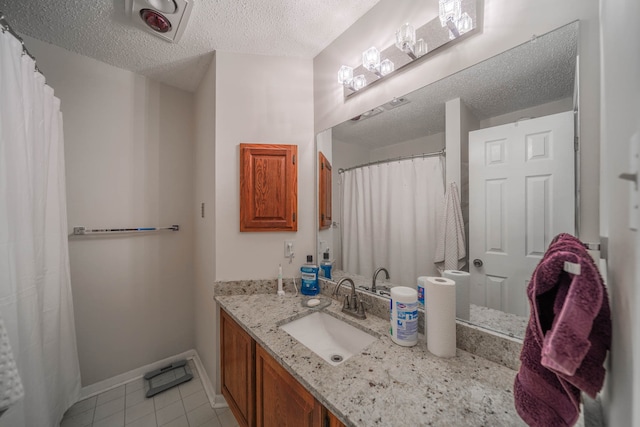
237, 350
324, 190
268, 187
281, 401
332, 420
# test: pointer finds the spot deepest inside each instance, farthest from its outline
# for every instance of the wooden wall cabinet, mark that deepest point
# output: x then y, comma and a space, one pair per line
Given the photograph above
259, 391
268, 187
237, 354
324, 192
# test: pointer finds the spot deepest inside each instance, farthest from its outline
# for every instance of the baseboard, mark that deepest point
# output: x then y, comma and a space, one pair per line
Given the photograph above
216, 400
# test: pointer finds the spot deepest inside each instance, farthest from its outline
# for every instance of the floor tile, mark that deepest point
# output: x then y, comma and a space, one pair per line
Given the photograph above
81, 406
166, 397
178, 422
213, 422
135, 412
226, 417
169, 413
148, 420
135, 385
110, 395
194, 400
83, 419
115, 420
109, 408
135, 397
201, 414
190, 387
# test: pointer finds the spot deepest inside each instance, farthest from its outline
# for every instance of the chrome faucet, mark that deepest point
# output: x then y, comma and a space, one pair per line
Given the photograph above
375, 276
351, 305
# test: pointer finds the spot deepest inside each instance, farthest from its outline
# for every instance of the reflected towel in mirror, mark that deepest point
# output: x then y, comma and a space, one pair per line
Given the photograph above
450, 246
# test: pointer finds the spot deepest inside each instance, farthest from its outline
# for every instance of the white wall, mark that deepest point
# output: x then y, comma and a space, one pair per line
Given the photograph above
507, 23
261, 99
205, 236
426, 144
620, 121
129, 157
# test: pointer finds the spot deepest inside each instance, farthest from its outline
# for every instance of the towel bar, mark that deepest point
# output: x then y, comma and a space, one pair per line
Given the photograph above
83, 231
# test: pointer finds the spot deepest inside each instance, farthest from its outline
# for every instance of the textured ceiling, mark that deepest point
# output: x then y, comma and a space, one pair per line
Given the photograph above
101, 29
534, 73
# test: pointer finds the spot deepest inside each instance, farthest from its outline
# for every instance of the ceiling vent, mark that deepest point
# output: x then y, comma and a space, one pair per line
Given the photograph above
166, 19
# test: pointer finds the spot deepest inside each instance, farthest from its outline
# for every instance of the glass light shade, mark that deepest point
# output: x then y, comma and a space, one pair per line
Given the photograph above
450, 10
345, 75
359, 82
465, 23
420, 47
406, 38
386, 67
371, 59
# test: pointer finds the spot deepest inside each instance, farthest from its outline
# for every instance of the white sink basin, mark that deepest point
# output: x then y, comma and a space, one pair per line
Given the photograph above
330, 338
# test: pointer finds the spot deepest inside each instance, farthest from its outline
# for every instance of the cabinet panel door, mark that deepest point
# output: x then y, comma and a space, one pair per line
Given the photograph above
281, 401
324, 190
332, 420
268, 187
237, 350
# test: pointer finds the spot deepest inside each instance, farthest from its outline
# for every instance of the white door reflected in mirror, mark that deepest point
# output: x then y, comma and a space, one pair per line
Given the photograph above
521, 195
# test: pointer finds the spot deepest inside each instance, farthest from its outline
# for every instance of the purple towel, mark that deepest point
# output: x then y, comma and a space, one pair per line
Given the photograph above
567, 338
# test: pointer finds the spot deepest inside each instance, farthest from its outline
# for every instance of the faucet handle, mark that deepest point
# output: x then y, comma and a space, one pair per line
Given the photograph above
345, 304
360, 309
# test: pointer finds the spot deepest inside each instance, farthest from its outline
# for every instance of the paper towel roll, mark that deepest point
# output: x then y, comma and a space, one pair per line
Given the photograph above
462, 279
440, 303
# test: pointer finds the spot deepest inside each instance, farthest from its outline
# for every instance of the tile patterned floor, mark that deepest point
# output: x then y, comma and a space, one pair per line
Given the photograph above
185, 405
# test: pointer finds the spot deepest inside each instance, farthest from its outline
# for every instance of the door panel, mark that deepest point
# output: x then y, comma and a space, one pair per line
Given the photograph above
521, 195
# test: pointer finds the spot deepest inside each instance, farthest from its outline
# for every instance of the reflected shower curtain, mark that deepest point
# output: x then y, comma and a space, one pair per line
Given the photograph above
35, 289
390, 212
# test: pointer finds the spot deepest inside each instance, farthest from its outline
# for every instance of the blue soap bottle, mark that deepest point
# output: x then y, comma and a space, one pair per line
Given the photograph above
309, 273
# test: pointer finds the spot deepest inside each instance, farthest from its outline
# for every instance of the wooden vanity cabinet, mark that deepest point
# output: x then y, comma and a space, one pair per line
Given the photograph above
237, 354
280, 399
259, 391
268, 187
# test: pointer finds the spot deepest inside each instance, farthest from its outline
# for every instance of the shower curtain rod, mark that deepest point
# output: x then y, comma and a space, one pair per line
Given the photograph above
396, 159
4, 26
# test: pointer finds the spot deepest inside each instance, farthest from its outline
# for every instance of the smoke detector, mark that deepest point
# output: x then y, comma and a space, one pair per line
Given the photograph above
166, 19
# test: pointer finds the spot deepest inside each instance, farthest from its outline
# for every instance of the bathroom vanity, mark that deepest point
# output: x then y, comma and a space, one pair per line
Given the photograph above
385, 384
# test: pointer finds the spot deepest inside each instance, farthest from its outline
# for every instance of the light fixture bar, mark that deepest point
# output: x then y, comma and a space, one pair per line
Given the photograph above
412, 45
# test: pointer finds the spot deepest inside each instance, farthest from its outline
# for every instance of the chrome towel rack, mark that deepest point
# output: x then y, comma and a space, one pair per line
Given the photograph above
83, 231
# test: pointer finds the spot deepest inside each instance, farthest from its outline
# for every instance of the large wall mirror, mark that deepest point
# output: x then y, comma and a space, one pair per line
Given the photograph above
530, 91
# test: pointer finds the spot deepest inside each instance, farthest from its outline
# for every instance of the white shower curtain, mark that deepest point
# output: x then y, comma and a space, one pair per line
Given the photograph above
35, 290
390, 212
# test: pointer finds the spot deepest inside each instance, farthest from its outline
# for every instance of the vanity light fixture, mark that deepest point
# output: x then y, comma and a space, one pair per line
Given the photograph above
455, 18
371, 61
346, 79
452, 17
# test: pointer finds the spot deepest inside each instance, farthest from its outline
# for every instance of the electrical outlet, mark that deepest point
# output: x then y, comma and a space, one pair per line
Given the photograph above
288, 248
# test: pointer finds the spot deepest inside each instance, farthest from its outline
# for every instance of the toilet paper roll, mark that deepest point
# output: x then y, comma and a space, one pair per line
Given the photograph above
462, 279
440, 307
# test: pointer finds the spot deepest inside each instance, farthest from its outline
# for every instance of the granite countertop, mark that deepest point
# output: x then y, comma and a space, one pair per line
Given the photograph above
385, 385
